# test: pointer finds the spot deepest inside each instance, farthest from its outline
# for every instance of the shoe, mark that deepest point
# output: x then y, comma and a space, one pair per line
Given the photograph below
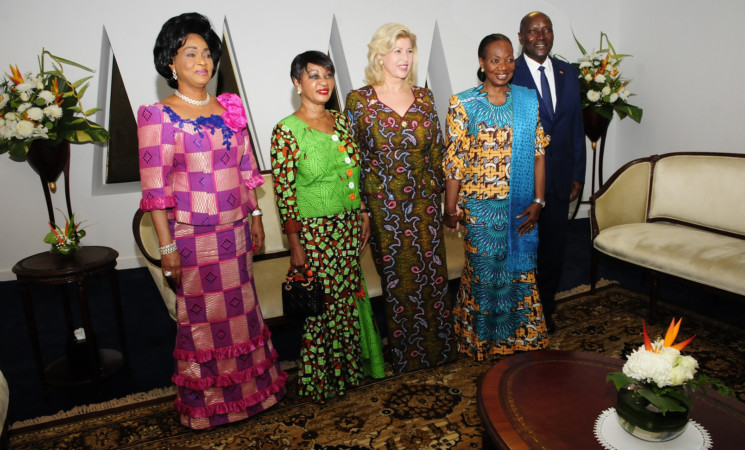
550, 325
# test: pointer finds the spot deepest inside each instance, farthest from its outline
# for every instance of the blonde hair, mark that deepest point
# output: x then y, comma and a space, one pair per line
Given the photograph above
383, 41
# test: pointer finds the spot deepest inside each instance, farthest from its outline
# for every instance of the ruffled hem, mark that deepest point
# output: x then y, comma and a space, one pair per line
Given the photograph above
197, 412
208, 354
149, 204
227, 379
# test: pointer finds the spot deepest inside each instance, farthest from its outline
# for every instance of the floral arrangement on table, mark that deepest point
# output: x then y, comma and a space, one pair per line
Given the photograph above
44, 106
65, 241
659, 372
601, 85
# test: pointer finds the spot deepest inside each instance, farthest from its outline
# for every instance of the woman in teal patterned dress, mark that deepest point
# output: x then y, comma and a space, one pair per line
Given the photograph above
315, 165
397, 129
495, 183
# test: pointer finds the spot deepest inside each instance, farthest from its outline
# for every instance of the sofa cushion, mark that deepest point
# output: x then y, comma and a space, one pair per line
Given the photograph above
706, 190
689, 253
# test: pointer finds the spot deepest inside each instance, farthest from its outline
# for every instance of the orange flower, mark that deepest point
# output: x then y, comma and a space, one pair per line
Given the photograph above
672, 333
16, 78
60, 239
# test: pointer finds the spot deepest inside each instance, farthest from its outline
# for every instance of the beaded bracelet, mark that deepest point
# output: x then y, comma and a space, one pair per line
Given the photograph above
365, 210
166, 249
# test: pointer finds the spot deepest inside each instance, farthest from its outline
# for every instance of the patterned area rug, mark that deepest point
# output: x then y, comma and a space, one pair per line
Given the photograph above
434, 408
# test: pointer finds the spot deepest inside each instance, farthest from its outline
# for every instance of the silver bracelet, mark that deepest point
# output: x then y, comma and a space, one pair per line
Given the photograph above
257, 212
166, 249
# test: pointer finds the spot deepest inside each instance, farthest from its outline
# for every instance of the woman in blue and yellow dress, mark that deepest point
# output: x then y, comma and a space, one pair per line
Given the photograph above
495, 178
315, 164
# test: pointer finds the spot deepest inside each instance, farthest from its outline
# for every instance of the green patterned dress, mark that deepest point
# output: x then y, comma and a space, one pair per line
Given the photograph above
316, 177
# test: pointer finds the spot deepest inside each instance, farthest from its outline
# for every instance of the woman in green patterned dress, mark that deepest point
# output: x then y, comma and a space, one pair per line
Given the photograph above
315, 164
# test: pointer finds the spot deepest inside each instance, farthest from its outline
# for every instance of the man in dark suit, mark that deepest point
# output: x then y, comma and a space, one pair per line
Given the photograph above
561, 115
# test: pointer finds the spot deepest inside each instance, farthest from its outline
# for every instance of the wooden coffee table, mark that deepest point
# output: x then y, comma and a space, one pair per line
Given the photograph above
551, 399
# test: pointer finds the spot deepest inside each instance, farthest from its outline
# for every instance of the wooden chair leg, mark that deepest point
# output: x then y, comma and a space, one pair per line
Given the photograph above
593, 269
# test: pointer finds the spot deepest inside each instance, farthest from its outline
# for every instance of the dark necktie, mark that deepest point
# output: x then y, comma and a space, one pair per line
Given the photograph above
546, 93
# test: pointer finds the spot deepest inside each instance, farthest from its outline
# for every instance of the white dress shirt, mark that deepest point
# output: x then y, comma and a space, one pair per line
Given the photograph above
549, 71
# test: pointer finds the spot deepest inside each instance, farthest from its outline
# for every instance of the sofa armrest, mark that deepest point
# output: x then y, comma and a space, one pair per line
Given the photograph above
4, 402
624, 198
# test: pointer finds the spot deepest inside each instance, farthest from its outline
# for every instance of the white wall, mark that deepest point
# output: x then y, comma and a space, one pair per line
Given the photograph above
684, 70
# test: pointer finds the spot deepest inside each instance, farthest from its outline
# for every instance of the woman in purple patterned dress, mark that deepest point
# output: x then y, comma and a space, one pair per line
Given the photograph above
198, 177
398, 132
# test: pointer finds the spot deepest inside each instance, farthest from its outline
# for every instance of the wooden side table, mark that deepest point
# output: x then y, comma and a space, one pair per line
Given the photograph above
551, 399
47, 269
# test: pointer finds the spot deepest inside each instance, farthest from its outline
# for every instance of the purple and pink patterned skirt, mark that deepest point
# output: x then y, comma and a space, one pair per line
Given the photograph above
226, 367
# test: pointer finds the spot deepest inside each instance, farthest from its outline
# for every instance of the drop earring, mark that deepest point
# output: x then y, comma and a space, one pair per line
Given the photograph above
299, 91
175, 75
380, 61
482, 70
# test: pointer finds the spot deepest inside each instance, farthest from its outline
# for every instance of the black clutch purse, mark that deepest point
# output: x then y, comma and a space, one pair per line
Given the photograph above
301, 295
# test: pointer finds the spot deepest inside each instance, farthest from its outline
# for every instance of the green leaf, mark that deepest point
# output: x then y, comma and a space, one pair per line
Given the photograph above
82, 90
664, 402
80, 81
620, 379
91, 111
582, 49
634, 112
18, 150
66, 61
50, 238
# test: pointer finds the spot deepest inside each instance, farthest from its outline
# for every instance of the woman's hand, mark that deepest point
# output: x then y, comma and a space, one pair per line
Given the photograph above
533, 212
257, 233
365, 234
452, 218
298, 259
170, 265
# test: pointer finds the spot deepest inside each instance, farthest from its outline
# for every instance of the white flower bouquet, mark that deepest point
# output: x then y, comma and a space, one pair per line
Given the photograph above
601, 85
46, 106
659, 372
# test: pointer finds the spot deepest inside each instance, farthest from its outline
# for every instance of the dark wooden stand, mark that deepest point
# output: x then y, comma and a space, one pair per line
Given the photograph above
48, 269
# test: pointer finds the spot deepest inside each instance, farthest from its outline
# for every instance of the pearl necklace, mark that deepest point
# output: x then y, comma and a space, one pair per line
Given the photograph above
191, 100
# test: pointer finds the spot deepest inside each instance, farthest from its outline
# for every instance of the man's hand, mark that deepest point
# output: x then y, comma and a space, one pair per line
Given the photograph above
576, 190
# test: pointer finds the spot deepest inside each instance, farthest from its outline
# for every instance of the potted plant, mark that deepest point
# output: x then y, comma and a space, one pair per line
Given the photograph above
653, 401
602, 87
45, 107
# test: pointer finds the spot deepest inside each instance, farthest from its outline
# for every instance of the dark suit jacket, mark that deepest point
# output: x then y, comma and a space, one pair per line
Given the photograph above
565, 155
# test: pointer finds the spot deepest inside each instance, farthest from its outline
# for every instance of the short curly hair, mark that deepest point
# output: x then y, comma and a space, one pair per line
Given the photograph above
300, 63
383, 41
172, 37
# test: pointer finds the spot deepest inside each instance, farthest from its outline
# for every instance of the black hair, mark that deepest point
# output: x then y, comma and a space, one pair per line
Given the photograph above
301, 61
172, 37
488, 39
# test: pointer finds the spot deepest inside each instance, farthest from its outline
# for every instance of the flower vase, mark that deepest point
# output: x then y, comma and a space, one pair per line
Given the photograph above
645, 421
49, 163
596, 126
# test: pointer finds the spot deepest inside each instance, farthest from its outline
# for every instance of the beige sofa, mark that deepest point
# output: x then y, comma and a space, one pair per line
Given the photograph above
4, 401
270, 266
677, 214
